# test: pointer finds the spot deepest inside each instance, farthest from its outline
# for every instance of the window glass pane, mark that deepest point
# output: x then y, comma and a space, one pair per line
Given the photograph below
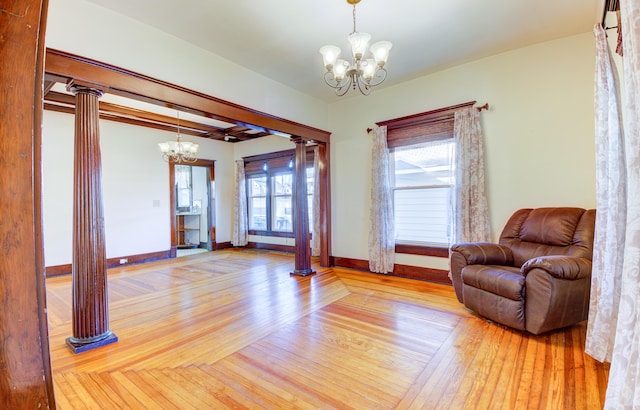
258, 186
257, 203
183, 187
258, 213
282, 184
423, 177
424, 165
282, 221
422, 215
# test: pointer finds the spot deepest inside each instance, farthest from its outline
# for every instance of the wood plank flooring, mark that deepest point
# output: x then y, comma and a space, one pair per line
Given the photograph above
232, 329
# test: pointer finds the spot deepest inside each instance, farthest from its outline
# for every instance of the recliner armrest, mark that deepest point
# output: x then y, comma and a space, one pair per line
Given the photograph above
560, 266
484, 253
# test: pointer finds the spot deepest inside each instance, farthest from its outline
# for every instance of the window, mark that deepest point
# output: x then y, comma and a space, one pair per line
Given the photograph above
281, 188
270, 180
257, 193
270, 202
421, 162
183, 187
423, 179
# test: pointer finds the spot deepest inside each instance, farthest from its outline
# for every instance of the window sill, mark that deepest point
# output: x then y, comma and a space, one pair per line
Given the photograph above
272, 233
424, 250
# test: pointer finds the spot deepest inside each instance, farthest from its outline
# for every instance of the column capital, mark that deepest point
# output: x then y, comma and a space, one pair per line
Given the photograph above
297, 140
84, 87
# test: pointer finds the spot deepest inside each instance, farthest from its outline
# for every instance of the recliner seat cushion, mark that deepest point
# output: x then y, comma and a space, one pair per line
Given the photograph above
495, 292
505, 281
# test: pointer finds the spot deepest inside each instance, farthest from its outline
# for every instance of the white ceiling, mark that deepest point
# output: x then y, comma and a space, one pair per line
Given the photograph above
280, 38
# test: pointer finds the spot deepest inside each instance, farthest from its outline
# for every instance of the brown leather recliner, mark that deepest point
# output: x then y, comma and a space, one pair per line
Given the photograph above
537, 278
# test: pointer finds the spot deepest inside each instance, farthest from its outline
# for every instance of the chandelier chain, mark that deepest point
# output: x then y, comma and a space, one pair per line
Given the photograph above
354, 19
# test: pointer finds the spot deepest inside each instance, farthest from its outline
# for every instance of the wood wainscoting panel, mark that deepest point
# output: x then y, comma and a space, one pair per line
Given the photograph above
233, 329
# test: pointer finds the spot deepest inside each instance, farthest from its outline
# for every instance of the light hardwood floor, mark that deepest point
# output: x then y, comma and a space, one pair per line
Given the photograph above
232, 329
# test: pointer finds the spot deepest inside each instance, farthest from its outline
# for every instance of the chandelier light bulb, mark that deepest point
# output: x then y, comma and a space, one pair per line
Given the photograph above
359, 43
329, 56
380, 51
340, 69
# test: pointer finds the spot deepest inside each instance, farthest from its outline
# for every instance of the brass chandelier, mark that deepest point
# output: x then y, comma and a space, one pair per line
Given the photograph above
179, 151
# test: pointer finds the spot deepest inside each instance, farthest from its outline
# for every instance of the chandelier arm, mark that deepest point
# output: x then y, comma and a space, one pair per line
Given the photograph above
330, 79
364, 88
344, 88
341, 87
379, 77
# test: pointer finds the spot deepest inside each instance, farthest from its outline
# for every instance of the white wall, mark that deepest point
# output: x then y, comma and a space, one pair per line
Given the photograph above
539, 135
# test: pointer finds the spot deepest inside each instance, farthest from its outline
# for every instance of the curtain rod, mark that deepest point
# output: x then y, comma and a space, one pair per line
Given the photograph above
609, 5
482, 107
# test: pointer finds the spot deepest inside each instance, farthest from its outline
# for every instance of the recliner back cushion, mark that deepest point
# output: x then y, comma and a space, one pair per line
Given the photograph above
551, 226
549, 231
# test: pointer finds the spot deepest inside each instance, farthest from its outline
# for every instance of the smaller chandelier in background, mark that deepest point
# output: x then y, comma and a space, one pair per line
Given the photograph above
179, 151
362, 73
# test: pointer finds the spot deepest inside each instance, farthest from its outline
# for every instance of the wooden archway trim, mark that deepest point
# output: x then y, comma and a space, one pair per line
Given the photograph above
61, 67
25, 374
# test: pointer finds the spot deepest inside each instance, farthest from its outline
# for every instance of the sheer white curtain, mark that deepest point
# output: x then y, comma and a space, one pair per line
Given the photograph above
608, 248
381, 232
240, 219
471, 211
623, 390
315, 206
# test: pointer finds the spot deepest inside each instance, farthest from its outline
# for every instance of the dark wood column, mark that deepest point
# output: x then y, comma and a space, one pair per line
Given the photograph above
301, 214
325, 205
26, 381
89, 266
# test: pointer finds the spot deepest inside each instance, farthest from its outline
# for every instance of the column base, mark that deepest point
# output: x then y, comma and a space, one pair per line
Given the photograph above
303, 272
79, 345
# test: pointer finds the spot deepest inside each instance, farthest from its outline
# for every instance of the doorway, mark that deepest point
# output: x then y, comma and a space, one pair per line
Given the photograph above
192, 193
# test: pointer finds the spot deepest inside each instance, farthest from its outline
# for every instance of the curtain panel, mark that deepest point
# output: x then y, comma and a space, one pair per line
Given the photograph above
240, 235
315, 205
381, 232
613, 331
609, 239
471, 211
623, 389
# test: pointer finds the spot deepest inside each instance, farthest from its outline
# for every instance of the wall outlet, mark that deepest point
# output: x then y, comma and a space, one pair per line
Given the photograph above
123, 261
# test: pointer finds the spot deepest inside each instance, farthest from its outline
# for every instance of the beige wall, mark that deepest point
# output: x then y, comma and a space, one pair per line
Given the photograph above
538, 132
